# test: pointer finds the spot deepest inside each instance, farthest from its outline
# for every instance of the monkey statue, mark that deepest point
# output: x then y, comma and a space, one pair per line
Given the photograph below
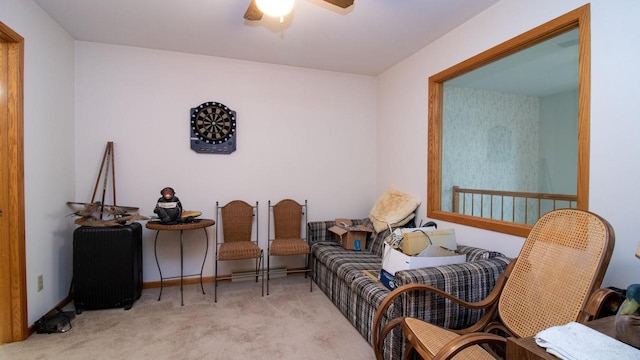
168, 207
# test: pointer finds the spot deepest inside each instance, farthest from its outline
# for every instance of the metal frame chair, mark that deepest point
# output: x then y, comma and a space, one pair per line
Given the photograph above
236, 241
554, 280
288, 218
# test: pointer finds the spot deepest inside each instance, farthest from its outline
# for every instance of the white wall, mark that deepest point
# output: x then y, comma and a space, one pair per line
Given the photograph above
303, 134
614, 173
48, 151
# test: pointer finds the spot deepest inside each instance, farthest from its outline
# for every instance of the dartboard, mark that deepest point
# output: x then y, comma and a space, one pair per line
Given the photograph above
213, 128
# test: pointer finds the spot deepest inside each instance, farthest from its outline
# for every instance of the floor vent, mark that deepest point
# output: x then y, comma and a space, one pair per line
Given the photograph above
247, 275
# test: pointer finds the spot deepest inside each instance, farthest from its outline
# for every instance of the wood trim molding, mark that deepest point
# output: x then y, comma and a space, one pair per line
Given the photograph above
14, 208
578, 18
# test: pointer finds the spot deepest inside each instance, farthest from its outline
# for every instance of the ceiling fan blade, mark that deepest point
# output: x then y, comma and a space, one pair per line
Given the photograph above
341, 3
253, 13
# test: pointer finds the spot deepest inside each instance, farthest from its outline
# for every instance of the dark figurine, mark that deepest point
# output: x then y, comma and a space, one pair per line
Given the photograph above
169, 208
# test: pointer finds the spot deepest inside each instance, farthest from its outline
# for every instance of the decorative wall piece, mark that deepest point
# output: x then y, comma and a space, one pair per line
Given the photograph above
94, 212
213, 129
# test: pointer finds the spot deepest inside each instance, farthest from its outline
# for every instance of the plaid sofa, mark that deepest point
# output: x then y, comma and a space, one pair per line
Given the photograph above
340, 274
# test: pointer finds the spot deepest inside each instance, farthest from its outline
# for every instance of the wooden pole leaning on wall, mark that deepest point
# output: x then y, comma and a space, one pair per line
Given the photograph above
108, 162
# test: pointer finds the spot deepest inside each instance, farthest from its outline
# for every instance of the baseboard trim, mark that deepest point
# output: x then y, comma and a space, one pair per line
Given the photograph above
209, 279
246, 275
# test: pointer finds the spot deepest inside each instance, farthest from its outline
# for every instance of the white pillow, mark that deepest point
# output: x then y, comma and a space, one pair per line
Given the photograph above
393, 208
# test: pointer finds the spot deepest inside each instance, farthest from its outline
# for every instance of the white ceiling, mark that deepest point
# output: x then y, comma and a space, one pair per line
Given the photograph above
366, 38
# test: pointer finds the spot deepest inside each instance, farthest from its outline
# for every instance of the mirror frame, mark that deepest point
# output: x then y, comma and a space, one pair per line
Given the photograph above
578, 18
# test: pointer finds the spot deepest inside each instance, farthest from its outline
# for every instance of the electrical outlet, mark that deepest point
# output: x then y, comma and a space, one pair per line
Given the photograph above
40, 283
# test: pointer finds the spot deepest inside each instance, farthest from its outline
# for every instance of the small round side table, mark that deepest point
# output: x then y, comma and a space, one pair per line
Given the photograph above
196, 224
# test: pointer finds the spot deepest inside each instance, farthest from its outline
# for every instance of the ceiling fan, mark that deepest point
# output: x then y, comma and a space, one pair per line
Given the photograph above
253, 13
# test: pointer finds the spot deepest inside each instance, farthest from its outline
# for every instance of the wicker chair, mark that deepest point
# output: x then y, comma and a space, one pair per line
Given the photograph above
554, 281
288, 218
236, 241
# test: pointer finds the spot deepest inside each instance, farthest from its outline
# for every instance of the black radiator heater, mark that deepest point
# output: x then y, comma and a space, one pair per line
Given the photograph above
107, 267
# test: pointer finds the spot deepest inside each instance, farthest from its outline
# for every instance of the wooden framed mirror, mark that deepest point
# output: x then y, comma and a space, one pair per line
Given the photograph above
509, 129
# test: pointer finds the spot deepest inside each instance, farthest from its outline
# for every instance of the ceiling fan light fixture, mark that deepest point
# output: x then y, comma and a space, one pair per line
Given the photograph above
277, 8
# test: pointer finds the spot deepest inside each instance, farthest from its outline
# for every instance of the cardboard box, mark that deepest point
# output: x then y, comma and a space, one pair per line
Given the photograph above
381, 277
394, 260
346, 234
387, 280
414, 240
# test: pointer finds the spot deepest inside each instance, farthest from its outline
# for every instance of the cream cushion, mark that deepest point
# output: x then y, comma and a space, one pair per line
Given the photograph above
393, 208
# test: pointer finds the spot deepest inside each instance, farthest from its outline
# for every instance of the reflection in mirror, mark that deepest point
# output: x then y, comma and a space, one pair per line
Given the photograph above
508, 130
511, 127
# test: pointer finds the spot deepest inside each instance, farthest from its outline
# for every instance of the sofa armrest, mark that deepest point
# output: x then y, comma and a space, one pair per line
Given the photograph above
318, 231
470, 281
474, 253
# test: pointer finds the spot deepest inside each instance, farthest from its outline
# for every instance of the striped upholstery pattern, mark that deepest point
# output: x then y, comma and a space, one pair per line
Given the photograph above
339, 274
471, 281
319, 232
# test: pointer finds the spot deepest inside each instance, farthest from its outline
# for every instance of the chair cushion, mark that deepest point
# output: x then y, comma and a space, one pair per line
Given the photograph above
433, 338
288, 247
239, 250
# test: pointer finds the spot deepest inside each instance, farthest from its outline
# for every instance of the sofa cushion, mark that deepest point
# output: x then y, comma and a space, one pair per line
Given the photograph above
471, 281
393, 208
339, 260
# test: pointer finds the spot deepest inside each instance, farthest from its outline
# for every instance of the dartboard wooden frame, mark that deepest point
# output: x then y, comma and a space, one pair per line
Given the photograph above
213, 128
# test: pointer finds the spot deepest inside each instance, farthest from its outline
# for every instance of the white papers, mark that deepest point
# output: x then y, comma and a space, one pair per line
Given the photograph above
575, 341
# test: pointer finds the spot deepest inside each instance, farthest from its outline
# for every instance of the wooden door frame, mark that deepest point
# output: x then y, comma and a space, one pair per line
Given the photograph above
14, 210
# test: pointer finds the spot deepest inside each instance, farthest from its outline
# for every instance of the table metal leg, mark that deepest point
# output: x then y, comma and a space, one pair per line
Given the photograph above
155, 252
181, 270
181, 228
206, 251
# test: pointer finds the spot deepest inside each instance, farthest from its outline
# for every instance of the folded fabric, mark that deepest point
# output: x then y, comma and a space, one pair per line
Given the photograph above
575, 341
393, 208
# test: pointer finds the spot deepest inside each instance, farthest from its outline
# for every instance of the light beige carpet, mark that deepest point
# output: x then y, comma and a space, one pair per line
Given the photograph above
291, 323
